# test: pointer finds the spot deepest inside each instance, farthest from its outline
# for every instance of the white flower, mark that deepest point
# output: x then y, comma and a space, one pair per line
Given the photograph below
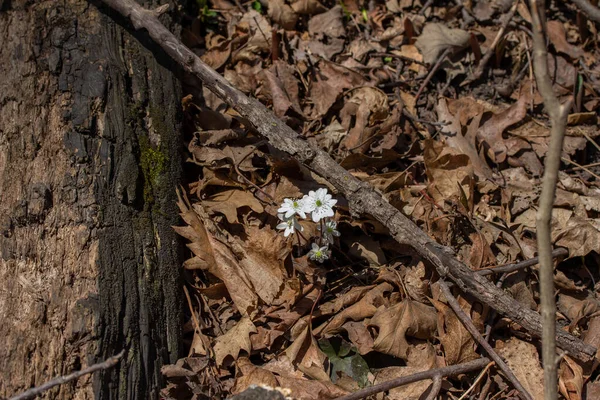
317, 253
319, 204
291, 207
289, 224
329, 231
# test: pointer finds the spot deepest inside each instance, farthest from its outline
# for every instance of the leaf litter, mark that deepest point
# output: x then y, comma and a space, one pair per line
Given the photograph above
463, 160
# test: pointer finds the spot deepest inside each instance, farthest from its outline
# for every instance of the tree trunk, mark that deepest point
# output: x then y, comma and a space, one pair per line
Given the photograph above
90, 156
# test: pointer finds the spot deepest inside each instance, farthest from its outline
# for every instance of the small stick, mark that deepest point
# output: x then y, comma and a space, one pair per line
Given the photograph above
479, 378
520, 265
437, 65
436, 386
464, 318
452, 370
36, 391
488, 55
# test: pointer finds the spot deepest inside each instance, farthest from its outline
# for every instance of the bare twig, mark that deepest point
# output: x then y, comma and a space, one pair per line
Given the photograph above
436, 386
466, 321
362, 198
491, 51
36, 391
558, 116
589, 10
560, 252
405, 380
435, 67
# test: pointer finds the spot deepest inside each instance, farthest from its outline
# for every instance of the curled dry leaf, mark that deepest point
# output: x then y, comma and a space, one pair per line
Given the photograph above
365, 308
570, 379
306, 355
365, 106
308, 7
557, 35
329, 23
395, 323
437, 38
234, 340
450, 173
459, 345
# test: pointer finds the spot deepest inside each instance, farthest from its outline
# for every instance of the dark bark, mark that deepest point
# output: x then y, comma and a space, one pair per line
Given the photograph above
90, 156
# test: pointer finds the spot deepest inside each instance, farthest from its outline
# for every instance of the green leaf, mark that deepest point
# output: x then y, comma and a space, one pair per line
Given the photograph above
344, 358
257, 6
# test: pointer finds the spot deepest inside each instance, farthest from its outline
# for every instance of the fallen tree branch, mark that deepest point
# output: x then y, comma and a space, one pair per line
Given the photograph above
363, 199
405, 380
589, 10
36, 391
468, 324
558, 117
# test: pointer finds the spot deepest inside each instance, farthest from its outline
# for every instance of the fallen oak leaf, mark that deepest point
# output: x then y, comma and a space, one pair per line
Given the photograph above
437, 38
234, 340
395, 323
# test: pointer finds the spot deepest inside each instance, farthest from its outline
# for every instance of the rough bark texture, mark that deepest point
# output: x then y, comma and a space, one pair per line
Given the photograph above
89, 161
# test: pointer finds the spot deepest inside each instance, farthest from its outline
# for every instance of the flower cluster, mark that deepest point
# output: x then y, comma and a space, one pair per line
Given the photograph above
318, 205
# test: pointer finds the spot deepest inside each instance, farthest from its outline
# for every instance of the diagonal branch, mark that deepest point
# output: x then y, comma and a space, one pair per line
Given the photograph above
361, 196
590, 11
558, 117
468, 324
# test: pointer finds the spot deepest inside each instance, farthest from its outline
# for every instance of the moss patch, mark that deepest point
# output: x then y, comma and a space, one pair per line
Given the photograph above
153, 163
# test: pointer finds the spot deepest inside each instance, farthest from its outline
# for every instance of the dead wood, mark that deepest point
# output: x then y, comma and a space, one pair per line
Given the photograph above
361, 196
430, 374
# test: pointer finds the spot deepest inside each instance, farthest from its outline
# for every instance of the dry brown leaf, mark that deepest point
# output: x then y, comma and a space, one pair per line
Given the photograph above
557, 35
395, 323
228, 202
364, 107
218, 50
359, 336
421, 358
234, 340
523, 359
306, 355
581, 236
365, 308
466, 144
259, 28
449, 172
459, 345
329, 23
491, 130
249, 374
570, 379
576, 309
282, 14
345, 300
436, 38
308, 7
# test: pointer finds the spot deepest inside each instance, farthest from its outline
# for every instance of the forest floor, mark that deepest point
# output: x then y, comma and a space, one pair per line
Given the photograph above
434, 105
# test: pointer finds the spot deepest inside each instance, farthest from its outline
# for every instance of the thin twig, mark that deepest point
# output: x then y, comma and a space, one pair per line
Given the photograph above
558, 117
436, 386
479, 378
492, 50
588, 9
466, 321
560, 252
453, 370
362, 198
436, 66
36, 391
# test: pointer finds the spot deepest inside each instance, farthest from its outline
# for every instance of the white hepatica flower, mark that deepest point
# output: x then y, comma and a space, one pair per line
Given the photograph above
289, 224
291, 207
317, 253
319, 204
329, 231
